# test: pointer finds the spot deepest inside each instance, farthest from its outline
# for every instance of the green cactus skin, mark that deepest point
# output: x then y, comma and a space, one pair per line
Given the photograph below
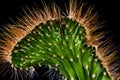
60, 44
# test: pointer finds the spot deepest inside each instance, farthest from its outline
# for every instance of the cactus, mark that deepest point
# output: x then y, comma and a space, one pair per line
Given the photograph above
60, 44
59, 41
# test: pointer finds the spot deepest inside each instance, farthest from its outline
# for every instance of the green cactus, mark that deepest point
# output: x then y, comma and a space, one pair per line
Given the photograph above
60, 44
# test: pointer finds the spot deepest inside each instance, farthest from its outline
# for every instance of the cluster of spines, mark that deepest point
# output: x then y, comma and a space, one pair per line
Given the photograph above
33, 73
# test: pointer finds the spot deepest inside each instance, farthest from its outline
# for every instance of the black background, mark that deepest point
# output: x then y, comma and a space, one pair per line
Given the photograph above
108, 9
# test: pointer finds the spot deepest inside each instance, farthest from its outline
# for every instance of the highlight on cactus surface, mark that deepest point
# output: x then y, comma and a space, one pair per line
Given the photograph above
68, 44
